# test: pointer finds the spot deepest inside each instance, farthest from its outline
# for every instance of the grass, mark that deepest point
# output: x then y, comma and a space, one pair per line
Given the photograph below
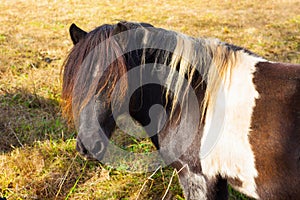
37, 149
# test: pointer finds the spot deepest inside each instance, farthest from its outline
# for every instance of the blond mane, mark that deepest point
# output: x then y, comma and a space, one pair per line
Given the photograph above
210, 57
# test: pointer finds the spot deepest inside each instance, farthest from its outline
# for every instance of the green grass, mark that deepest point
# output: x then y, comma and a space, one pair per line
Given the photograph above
37, 149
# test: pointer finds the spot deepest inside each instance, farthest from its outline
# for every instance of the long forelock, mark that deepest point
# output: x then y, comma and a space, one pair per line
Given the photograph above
82, 71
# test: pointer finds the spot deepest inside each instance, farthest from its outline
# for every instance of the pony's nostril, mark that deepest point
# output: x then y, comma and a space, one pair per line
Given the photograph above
80, 148
98, 148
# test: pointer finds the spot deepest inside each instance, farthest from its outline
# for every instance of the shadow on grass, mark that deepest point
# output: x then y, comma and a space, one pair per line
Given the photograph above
26, 118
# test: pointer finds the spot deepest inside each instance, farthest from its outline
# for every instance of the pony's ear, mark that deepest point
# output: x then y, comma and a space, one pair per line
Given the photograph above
76, 33
120, 27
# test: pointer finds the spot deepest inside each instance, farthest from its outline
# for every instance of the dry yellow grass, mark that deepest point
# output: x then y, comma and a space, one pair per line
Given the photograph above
37, 151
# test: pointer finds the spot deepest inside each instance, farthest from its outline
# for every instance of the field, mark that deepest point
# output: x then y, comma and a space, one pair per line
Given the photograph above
37, 148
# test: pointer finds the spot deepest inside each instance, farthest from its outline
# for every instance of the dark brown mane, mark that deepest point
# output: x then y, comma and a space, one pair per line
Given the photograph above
81, 72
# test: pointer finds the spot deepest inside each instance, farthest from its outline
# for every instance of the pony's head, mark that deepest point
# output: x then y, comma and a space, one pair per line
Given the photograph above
90, 74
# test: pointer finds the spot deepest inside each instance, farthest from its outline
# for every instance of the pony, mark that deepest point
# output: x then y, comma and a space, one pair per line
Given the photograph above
216, 112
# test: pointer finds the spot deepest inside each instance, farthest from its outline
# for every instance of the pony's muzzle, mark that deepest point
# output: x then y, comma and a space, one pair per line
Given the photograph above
80, 148
93, 151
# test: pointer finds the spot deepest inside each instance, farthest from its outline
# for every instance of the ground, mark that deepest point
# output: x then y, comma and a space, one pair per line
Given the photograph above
37, 148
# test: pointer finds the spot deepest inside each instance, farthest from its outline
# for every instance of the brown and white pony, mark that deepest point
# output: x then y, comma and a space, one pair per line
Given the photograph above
249, 106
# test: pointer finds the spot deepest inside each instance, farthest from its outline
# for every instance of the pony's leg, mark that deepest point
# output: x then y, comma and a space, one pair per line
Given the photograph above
219, 188
194, 186
197, 187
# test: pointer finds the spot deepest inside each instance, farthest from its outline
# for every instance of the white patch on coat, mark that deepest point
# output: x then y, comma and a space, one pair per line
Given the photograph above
232, 155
